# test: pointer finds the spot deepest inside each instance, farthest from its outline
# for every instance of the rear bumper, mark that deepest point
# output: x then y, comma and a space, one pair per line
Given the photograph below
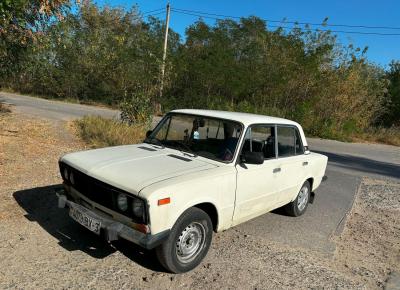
114, 230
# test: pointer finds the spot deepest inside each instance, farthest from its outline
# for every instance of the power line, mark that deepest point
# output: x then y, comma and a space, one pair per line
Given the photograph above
154, 14
285, 27
151, 11
293, 22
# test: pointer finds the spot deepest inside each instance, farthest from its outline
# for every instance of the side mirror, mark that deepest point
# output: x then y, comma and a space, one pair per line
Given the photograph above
148, 133
252, 157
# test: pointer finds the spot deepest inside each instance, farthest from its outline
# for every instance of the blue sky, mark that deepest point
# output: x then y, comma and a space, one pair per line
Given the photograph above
382, 49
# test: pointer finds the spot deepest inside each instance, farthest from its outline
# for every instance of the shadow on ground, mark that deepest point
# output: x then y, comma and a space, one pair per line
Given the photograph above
40, 204
363, 164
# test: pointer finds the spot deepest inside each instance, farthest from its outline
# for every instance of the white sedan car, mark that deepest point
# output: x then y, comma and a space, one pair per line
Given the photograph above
197, 172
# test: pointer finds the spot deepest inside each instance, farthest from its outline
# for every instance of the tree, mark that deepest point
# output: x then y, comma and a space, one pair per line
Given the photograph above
392, 116
113, 56
20, 22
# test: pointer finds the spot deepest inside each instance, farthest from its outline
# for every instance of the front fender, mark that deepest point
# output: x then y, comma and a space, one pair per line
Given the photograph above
193, 203
216, 189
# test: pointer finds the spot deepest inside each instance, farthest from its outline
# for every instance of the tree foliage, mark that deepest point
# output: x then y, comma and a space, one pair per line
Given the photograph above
392, 101
113, 56
302, 75
20, 22
103, 55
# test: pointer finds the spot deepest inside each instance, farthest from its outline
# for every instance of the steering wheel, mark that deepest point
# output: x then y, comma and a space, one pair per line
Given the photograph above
227, 155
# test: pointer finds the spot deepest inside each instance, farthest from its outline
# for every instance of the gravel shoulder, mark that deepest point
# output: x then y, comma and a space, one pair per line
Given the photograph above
40, 247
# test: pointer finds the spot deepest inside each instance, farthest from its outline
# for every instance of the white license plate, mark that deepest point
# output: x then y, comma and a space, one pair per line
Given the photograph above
85, 220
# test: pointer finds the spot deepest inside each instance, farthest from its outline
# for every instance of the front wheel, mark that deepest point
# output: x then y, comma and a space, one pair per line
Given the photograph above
298, 206
188, 242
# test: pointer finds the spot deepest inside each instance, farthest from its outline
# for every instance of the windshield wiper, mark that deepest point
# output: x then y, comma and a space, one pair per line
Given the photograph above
154, 141
183, 145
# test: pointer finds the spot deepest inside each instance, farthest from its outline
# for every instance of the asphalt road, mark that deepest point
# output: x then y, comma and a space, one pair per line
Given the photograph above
348, 163
53, 110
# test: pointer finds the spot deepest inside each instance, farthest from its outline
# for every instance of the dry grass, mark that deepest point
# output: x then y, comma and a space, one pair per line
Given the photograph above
4, 109
100, 132
389, 136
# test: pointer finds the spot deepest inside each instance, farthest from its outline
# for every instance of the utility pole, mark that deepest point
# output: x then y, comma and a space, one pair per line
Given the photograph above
165, 50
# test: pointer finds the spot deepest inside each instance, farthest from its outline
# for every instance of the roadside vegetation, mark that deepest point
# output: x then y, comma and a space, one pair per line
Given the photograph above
113, 56
4, 109
99, 132
389, 135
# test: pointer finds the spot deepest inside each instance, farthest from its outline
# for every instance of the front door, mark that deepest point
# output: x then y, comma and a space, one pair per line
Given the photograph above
257, 189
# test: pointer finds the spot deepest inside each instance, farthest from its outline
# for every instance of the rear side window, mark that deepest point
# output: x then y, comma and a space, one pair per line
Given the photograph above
286, 141
289, 142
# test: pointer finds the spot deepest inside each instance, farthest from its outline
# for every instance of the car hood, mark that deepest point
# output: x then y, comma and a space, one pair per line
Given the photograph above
133, 167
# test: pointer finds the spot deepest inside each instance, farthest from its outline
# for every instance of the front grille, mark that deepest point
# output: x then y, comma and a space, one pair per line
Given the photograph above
100, 192
94, 189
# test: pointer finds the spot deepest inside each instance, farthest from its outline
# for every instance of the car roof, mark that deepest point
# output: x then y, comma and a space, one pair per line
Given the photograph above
245, 118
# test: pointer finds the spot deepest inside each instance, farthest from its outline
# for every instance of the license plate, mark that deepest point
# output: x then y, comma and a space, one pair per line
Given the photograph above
85, 220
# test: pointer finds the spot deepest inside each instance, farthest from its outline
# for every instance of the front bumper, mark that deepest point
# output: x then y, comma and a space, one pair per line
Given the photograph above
114, 230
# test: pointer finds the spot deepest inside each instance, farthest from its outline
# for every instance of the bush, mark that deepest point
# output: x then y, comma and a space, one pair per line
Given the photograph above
100, 132
384, 135
137, 109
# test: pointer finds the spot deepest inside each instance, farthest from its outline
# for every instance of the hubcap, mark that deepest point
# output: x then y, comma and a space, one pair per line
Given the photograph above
302, 199
190, 242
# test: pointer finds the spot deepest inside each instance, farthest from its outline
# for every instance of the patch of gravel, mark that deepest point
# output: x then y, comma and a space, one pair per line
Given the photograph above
40, 247
369, 247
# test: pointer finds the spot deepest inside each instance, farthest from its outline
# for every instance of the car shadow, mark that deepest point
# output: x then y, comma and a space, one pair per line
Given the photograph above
280, 211
40, 204
363, 164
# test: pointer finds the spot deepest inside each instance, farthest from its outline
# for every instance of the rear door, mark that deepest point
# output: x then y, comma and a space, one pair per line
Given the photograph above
292, 162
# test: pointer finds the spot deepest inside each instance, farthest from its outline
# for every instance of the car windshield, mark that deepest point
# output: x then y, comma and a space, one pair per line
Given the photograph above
197, 135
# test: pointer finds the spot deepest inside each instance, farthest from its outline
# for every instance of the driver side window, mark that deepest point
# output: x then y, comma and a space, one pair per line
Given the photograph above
260, 138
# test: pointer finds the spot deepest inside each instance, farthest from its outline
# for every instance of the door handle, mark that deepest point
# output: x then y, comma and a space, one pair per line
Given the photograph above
305, 163
276, 170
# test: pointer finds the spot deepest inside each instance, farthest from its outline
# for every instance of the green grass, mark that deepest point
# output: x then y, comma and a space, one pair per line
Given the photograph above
100, 132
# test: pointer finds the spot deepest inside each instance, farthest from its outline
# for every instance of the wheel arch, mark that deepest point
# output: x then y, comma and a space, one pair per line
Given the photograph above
311, 181
312, 194
212, 212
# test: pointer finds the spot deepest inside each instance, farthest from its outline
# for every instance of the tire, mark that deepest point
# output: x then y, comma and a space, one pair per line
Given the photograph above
188, 242
298, 206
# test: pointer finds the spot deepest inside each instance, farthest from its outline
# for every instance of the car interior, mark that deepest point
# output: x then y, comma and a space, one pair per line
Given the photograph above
265, 145
218, 139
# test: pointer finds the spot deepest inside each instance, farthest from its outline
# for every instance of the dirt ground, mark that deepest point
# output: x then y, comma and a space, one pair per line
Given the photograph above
40, 247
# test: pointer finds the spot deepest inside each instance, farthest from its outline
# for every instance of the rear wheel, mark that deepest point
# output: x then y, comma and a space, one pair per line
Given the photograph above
298, 206
188, 242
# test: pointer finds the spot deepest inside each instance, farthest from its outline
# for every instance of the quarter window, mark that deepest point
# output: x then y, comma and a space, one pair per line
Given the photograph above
299, 145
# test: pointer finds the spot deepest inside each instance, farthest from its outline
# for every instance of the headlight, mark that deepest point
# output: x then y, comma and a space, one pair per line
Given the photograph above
71, 178
122, 202
137, 208
65, 173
